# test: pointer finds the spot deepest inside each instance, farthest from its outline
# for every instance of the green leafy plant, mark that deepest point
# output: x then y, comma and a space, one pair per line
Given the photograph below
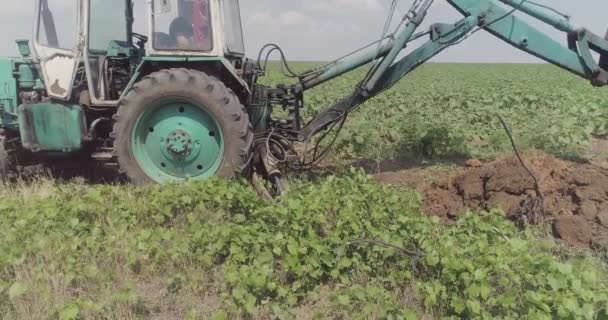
339, 247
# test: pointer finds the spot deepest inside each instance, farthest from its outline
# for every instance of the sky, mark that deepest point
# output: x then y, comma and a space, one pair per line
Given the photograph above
321, 30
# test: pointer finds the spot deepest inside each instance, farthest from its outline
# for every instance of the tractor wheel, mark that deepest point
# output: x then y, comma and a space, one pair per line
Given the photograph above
181, 124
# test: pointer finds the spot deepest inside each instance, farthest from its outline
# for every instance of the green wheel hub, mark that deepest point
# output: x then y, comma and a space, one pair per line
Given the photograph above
175, 139
179, 143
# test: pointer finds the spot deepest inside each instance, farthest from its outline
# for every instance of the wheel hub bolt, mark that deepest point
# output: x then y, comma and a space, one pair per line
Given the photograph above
179, 143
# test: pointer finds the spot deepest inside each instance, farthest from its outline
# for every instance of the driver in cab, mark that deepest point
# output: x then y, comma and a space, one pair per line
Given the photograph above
193, 33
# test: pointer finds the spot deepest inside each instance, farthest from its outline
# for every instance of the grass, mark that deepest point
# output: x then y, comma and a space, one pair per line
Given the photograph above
215, 250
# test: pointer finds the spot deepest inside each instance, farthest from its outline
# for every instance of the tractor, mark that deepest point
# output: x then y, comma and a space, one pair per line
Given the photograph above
164, 106
184, 102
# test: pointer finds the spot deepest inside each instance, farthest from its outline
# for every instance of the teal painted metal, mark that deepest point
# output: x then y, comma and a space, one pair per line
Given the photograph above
194, 60
442, 37
259, 116
585, 42
230, 68
344, 65
585, 51
158, 61
402, 39
349, 63
16, 75
51, 127
495, 18
521, 35
187, 61
8, 92
560, 23
24, 48
490, 15
26, 76
388, 52
259, 109
176, 139
122, 49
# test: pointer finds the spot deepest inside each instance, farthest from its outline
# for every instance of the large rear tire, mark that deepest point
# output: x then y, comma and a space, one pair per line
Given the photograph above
179, 124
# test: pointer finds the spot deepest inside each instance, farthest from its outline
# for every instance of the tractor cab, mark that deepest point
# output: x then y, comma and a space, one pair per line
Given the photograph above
199, 27
93, 41
165, 104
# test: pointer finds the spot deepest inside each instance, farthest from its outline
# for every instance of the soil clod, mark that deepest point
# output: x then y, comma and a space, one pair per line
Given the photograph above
602, 218
575, 194
573, 229
473, 163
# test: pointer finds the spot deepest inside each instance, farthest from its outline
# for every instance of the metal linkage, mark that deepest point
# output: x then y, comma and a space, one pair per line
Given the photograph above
584, 42
540, 12
442, 37
415, 17
352, 61
489, 15
498, 17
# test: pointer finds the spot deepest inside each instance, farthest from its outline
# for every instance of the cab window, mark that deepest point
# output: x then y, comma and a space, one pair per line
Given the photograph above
182, 25
233, 27
108, 22
58, 24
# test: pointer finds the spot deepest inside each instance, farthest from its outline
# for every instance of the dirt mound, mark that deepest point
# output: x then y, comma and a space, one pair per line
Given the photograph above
575, 194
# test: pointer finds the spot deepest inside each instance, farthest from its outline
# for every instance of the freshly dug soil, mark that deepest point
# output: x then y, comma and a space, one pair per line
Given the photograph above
575, 195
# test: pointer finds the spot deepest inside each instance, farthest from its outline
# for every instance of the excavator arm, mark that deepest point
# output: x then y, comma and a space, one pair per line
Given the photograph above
498, 17
391, 61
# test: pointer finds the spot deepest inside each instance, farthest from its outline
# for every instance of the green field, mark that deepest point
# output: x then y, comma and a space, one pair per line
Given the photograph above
444, 110
337, 246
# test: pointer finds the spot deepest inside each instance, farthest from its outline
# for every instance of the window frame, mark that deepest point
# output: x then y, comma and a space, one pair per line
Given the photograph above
226, 6
153, 31
127, 13
39, 24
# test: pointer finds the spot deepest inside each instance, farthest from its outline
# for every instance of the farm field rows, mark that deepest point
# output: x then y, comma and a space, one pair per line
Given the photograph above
446, 110
339, 244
